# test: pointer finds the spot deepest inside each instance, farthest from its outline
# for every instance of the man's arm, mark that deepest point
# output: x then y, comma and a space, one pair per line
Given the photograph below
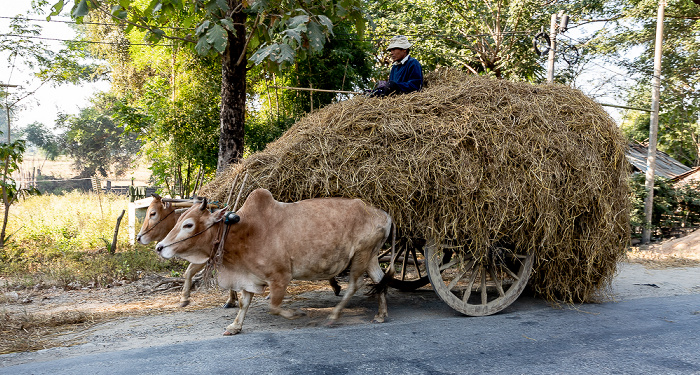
414, 78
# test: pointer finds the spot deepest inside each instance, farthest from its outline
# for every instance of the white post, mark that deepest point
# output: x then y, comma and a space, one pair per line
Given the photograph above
552, 48
654, 124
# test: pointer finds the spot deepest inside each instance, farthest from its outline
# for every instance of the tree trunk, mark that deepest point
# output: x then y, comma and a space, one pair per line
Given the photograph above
233, 88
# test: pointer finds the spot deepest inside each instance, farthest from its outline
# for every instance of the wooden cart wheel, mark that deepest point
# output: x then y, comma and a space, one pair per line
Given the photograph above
477, 287
411, 272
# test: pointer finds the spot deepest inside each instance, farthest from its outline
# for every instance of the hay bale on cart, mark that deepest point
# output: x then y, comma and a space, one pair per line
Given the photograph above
487, 173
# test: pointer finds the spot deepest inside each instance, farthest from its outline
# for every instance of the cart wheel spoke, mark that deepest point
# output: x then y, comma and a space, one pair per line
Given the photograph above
448, 265
415, 261
484, 296
495, 279
412, 274
468, 290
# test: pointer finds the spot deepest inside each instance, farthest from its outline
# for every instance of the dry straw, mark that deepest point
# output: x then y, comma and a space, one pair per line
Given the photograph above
471, 161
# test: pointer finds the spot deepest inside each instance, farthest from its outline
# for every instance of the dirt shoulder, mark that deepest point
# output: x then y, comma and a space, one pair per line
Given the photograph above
56, 323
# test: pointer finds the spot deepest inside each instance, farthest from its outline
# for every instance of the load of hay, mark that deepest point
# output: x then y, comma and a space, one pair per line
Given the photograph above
469, 160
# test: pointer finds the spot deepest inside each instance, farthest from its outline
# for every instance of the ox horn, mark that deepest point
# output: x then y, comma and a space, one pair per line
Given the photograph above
156, 196
204, 204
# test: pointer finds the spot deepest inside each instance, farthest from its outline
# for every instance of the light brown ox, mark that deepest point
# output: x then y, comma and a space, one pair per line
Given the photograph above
276, 242
160, 219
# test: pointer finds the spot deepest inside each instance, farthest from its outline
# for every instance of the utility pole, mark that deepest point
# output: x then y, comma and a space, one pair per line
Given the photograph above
554, 28
654, 125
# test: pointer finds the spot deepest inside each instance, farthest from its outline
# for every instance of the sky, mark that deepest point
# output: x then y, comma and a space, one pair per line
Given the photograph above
48, 102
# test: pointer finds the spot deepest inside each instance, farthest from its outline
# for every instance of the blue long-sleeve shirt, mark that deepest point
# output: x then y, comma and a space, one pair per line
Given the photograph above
408, 76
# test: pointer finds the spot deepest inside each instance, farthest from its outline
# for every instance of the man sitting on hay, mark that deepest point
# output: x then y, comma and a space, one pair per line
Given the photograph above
406, 74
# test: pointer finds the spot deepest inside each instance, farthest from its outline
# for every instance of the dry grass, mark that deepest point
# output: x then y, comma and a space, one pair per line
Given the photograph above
473, 161
21, 332
659, 260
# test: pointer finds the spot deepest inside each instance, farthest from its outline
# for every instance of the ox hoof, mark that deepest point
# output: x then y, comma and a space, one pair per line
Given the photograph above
379, 319
184, 303
295, 314
331, 323
229, 305
232, 332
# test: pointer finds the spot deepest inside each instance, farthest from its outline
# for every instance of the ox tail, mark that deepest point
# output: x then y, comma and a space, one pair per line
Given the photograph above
382, 286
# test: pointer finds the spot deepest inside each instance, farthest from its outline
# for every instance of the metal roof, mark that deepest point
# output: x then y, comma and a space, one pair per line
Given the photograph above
666, 166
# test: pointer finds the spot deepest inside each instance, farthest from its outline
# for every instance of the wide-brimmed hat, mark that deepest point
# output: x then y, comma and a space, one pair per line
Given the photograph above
399, 41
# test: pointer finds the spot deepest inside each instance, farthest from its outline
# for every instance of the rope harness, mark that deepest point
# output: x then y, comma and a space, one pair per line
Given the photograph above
192, 236
216, 257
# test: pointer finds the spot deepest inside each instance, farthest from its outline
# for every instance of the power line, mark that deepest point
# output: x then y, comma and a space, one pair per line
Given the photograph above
83, 23
83, 41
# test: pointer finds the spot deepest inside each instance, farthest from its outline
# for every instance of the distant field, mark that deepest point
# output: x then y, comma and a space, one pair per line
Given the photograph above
62, 168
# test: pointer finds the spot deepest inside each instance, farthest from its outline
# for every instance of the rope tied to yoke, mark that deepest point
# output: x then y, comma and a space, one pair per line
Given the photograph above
217, 254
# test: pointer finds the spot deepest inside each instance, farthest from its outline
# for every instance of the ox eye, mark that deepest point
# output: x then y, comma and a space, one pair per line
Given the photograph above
187, 225
153, 213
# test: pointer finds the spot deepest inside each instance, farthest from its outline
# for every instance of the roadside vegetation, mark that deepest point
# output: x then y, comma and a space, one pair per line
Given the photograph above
64, 240
676, 208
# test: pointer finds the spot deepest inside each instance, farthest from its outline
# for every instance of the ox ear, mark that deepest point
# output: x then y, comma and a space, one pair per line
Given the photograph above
219, 215
156, 196
204, 204
167, 205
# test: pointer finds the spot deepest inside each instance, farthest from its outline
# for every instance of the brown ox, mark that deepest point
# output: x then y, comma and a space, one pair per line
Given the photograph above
269, 243
160, 219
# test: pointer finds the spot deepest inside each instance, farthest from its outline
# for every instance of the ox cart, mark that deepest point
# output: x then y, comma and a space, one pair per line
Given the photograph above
491, 184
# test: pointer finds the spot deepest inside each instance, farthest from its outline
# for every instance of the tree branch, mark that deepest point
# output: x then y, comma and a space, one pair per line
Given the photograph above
250, 36
144, 26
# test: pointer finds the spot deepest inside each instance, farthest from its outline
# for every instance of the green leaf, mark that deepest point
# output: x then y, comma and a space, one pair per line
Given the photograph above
259, 6
325, 21
360, 26
81, 9
282, 53
223, 5
151, 6
125, 3
202, 46
216, 36
55, 10
202, 28
261, 54
292, 33
340, 11
228, 24
316, 37
119, 12
295, 22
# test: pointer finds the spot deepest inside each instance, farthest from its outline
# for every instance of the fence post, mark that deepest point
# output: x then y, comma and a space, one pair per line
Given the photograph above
113, 249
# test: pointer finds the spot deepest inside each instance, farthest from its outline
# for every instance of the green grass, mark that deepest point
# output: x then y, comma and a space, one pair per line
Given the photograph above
63, 240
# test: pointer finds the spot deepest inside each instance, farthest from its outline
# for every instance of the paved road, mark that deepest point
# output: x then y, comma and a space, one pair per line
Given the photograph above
641, 336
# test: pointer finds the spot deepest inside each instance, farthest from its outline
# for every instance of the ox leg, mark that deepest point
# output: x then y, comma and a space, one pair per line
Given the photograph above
354, 283
334, 285
192, 270
244, 302
377, 275
277, 291
232, 298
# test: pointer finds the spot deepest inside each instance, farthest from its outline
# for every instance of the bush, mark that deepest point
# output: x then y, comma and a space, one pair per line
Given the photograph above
674, 207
